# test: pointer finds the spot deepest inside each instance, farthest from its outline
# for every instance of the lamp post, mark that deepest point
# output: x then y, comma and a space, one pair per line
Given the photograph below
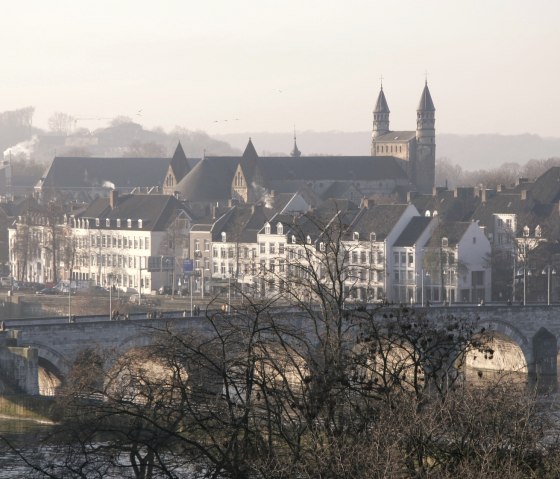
525, 272
422, 274
548, 270
110, 278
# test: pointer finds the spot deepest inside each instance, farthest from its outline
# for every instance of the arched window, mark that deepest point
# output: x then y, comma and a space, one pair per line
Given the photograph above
267, 228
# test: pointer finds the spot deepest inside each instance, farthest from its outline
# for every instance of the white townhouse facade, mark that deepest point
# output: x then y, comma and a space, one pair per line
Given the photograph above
134, 243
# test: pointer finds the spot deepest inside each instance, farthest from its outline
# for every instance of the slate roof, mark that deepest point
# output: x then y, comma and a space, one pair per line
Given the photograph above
412, 231
397, 136
210, 179
426, 103
449, 207
155, 211
452, 230
344, 168
78, 173
381, 105
502, 203
241, 223
378, 219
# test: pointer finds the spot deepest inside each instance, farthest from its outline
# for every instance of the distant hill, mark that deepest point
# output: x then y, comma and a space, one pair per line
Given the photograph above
470, 151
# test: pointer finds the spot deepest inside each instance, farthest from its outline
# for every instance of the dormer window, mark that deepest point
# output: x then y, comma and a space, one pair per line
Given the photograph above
444, 242
118, 222
321, 246
224, 236
139, 223
526, 231
427, 214
356, 236
372, 237
308, 239
279, 228
538, 232
97, 222
107, 222
129, 223
293, 239
267, 228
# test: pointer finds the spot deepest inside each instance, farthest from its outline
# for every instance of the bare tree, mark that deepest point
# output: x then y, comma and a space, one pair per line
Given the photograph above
61, 123
299, 382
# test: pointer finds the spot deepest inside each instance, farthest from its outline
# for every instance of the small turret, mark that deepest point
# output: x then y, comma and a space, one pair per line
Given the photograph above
425, 161
380, 116
295, 152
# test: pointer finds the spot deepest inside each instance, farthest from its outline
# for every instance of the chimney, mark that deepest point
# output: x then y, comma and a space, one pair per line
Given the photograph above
113, 197
213, 212
483, 195
525, 194
410, 195
366, 203
434, 190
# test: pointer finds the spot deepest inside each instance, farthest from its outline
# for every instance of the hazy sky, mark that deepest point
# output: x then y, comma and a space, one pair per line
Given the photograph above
493, 66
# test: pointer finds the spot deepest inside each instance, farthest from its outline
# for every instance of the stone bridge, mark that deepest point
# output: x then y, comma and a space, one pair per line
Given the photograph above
528, 336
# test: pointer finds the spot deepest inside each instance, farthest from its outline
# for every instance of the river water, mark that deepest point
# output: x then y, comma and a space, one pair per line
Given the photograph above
25, 434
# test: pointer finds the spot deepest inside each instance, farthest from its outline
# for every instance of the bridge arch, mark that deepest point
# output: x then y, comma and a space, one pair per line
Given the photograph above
52, 369
509, 352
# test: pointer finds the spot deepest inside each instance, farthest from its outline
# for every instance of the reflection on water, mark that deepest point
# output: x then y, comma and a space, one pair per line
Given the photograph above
24, 435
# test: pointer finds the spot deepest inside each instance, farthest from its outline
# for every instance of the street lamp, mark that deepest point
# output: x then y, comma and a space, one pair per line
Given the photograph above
548, 270
422, 274
110, 278
525, 272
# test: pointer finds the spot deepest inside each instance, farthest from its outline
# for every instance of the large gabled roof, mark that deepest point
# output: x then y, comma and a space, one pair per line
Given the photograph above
452, 230
241, 223
316, 168
415, 227
378, 219
81, 173
155, 211
210, 179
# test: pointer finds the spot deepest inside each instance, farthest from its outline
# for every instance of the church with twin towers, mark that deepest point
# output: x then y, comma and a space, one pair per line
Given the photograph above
416, 149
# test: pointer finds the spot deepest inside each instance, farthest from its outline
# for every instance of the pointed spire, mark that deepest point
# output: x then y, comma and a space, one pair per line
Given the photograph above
250, 151
179, 152
426, 103
381, 105
295, 152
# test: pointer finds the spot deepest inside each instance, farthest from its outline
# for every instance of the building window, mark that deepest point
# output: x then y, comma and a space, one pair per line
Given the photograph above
129, 223
107, 222
267, 229
279, 228
118, 222
272, 248
280, 248
206, 245
139, 223
356, 236
197, 245
147, 243
262, 248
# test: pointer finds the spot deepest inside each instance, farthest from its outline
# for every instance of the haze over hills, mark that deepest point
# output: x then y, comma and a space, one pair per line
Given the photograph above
470, 151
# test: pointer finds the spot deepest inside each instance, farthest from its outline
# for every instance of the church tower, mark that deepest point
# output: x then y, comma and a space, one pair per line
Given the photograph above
425, 161
380, 119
